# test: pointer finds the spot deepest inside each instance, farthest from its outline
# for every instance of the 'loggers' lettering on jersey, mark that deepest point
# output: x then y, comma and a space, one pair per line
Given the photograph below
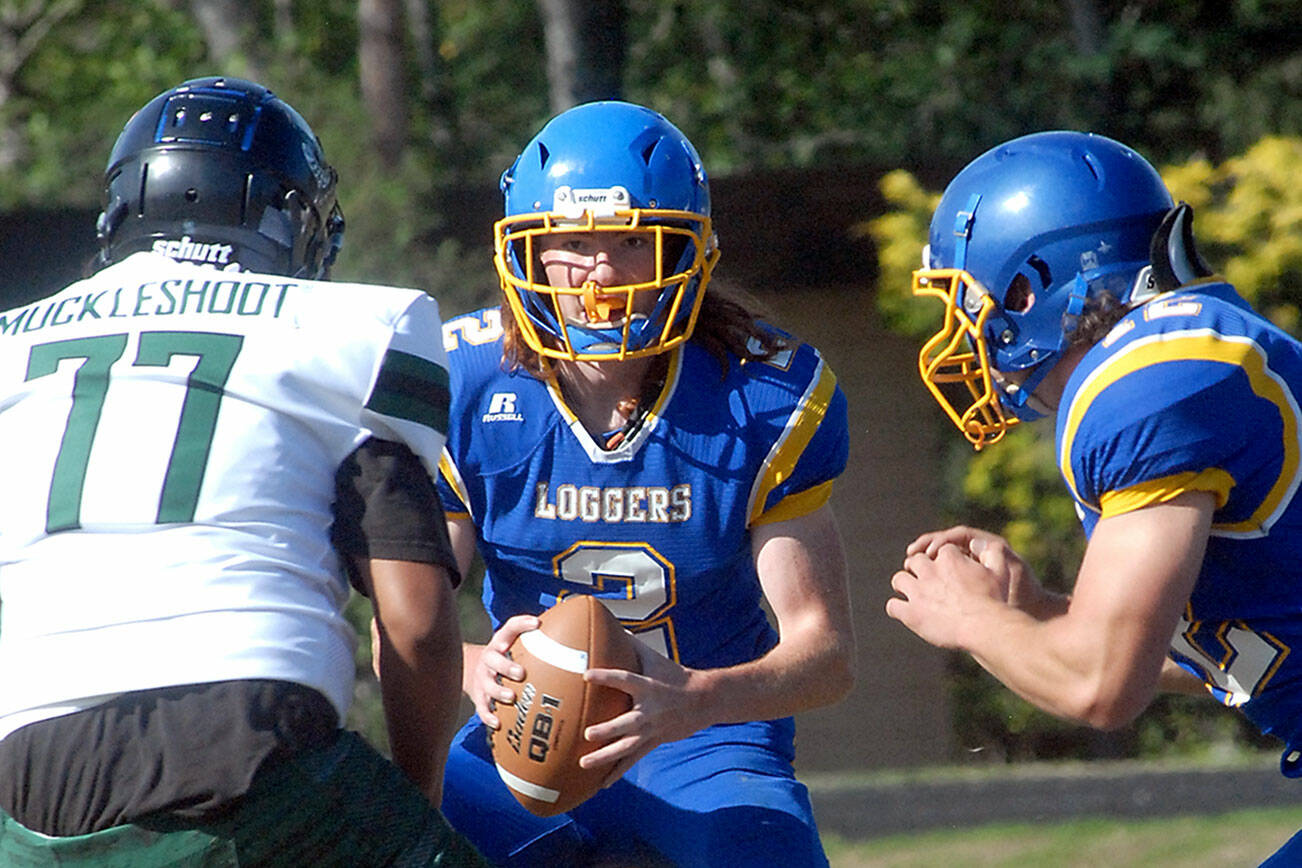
651, 504
152, 299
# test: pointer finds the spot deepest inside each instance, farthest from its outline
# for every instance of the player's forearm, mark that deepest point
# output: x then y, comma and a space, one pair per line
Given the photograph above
421, 691
419, 665
1063, 666
800, 673
1100, 661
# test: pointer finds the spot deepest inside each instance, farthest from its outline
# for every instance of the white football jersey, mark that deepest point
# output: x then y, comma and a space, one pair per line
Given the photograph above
173, 433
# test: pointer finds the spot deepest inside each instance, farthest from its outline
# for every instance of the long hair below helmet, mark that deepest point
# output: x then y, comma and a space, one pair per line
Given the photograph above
219, 171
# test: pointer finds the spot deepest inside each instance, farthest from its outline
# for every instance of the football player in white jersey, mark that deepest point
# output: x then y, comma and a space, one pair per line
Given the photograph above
175, 666
619, 431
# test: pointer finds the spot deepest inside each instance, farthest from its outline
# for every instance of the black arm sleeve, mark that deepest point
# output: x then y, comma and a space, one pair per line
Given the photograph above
386, 507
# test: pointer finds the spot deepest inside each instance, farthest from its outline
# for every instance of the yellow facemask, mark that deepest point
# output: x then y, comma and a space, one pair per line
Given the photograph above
957, 356
610, 333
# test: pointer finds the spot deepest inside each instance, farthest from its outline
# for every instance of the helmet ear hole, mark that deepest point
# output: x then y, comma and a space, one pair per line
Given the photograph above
1020, 297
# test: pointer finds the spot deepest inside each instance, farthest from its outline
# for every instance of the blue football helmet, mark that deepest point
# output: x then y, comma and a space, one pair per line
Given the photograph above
607, 167
220, 171
1023, 236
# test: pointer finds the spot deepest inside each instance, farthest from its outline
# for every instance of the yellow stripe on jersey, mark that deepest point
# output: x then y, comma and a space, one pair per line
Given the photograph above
800, 428
1200, 345
1213, 479
449, 472
796, 505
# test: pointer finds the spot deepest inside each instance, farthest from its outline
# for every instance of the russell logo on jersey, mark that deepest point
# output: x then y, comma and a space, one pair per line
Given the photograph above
501, 408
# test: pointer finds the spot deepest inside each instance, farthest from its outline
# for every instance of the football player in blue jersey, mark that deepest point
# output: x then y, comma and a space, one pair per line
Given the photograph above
1072, 288
623, 430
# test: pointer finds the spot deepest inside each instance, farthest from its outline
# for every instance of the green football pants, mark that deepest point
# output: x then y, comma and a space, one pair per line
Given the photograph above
344, 805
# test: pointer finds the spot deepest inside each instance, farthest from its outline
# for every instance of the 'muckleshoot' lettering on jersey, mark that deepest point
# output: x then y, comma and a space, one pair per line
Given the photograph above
161, 298
654, 504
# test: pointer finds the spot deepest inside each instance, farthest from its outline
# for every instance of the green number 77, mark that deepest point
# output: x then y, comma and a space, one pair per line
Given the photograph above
216, 355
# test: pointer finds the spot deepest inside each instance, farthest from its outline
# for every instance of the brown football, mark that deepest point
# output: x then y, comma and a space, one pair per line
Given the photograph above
538, 745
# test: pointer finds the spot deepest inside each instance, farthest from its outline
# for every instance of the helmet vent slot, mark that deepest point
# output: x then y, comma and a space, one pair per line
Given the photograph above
1090, 162
140, 194
1042, 269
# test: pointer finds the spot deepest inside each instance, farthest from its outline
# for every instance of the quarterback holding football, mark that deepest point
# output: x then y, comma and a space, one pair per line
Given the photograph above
621, 429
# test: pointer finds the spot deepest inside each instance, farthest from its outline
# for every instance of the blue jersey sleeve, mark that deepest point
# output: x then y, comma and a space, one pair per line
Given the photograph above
452, 492
811, 450
473, 345
1192, 408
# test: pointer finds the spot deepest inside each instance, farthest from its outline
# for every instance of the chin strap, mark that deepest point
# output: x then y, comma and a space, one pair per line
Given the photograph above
1021, 399
1172, 252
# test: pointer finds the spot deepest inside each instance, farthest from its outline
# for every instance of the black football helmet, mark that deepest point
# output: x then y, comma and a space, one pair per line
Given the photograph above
220, 170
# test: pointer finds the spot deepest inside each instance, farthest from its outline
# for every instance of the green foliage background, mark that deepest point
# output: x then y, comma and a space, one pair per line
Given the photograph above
916, 84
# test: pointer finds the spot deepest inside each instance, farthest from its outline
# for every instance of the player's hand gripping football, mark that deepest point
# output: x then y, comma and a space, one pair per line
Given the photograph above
489, 679
666, 707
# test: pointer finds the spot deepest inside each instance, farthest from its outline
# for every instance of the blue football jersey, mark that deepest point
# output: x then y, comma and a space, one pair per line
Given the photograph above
659, 527
1194, 390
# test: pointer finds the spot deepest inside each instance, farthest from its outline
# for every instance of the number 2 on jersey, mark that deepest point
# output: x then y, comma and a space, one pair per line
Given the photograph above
642, 581
215, 354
